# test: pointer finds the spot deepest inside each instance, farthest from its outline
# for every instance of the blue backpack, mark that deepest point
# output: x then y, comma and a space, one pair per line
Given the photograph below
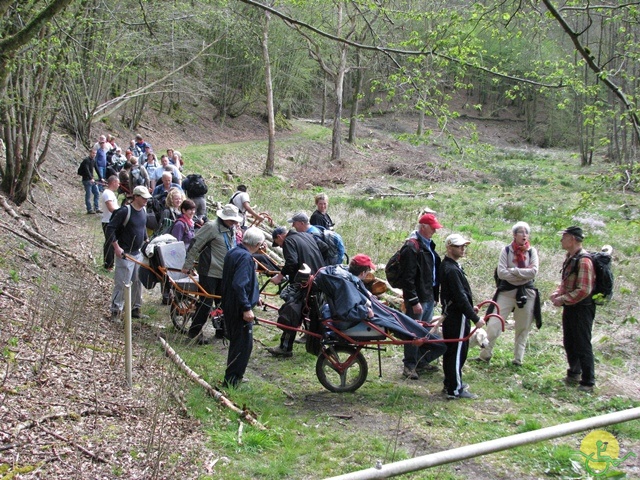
334, 241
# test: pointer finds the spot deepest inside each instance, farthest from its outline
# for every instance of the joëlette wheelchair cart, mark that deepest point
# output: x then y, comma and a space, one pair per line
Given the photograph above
165, 261
338, 343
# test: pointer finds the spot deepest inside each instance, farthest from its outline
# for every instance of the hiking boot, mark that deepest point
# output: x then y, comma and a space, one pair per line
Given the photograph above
279, 352
464, 387
410, 373
571, 379
135, 313
463, 394
481, 360
114, 317
585, 388
98, 211
516, 363
427, 367
90, 212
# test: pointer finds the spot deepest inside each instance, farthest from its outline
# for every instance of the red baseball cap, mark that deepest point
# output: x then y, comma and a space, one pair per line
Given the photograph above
363, 260
431, 220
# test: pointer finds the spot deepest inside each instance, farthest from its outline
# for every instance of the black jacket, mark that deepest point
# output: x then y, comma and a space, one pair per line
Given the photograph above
417, 280
455, 291
86, 169
299, 248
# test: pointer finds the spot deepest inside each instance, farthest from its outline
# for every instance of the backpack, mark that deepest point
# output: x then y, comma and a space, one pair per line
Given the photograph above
196, 186
392, 269
335, 244
166, 227
138, 179
154, 211
603, 289
120, 227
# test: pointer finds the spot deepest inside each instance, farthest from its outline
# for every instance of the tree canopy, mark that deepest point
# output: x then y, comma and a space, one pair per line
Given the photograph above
569, 71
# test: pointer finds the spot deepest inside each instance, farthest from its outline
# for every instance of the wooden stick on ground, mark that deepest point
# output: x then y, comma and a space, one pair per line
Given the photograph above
245, 414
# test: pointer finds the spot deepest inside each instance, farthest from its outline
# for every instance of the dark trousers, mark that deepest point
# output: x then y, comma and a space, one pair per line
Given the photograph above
107, 248
415, 356
577, 323
203, 309
455, 326
240, 335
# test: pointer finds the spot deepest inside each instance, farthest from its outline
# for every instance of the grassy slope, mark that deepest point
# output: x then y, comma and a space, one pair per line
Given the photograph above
314, 433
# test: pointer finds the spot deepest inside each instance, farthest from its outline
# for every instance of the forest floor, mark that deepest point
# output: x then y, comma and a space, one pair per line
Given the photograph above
65, 408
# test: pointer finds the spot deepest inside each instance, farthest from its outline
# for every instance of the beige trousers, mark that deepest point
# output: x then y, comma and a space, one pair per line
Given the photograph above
523, 319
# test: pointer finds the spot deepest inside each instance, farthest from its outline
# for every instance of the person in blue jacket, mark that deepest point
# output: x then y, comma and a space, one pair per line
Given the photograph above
240, 293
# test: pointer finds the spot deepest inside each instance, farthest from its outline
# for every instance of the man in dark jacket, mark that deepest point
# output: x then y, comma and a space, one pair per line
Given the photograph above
240, 293
457, 306
85, 170
298, 248
420, 264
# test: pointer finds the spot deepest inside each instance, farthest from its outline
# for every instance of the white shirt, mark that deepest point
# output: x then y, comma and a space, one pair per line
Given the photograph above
107, 196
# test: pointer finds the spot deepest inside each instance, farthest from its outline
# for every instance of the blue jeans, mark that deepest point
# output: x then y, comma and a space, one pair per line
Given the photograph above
91, 188
417, 356
103, 173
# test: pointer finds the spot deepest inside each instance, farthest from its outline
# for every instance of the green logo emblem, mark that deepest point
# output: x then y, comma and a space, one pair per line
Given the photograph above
600, 451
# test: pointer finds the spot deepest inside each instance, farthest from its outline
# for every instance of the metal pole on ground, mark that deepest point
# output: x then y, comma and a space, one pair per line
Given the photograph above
491, 446
127, 334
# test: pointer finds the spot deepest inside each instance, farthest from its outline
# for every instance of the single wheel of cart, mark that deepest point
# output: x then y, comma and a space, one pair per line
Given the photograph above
341, 368
183, 308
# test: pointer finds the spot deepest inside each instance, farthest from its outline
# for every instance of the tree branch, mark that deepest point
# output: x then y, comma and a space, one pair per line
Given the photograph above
120, 100
383, 49
591, 63
11, 44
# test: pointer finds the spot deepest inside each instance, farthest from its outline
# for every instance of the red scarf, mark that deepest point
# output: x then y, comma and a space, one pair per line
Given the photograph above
520, 253
186, 220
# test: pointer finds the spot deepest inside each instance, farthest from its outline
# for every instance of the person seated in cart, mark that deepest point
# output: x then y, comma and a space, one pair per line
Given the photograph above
350, 303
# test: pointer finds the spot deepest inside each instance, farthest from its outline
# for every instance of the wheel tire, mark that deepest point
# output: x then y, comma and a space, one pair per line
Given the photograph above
351, 379
182, 311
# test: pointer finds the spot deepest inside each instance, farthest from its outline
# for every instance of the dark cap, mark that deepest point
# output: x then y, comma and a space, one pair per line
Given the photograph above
299, 217
575, 231
278, 231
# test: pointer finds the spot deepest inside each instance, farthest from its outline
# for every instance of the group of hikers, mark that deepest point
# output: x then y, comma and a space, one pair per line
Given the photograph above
222, 251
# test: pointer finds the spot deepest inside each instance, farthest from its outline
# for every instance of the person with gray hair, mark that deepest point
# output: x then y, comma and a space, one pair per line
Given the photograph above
240, 293
516, 273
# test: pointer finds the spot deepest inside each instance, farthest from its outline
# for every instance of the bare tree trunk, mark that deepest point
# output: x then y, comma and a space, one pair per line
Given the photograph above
420, 129
355, 101
336, 138
323, 115
270, 165
24, 112
584, 52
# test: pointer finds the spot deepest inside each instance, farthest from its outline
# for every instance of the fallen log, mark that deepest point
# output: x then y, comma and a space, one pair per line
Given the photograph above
216, 394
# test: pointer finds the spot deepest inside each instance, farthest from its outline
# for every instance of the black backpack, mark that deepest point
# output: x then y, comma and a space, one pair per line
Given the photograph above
196, 186
392, 269
154, 211
603, 289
